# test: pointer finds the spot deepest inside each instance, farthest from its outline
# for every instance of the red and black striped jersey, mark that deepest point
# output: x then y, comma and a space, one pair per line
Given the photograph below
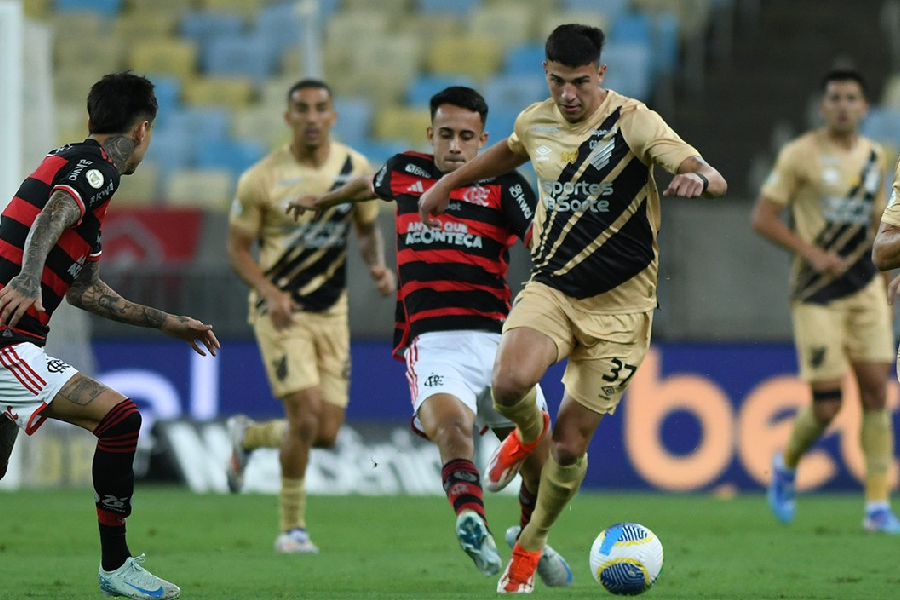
86, 173
454, 277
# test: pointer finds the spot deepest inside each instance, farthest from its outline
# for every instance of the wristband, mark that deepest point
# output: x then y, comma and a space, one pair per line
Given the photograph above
704, 180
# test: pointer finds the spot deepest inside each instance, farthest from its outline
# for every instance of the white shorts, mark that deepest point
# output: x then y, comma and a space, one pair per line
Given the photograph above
29, 380
458, 363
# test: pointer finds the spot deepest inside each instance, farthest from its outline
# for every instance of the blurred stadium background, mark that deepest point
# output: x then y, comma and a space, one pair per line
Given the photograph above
736, 78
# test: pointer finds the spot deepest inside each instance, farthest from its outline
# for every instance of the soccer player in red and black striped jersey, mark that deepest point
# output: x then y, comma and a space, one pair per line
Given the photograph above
49, 250
451, 304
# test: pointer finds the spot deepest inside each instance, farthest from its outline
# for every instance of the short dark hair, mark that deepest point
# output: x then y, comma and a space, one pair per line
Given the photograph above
575, 45
844, 74
463, 97
118, 101
309, 83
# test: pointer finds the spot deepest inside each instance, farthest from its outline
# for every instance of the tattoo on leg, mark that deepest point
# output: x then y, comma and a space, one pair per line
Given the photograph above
82, 390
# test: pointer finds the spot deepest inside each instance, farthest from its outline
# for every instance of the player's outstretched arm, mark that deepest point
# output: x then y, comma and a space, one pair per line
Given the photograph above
357, 189
89, 293
886, 248
696, 177
495, 161
24, 290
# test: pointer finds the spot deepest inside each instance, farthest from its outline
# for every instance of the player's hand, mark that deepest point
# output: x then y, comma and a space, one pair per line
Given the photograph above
432, 203
21, 293
281, 309
300, 205
892, 289
827, 263
686, 185
192, 331
383, 278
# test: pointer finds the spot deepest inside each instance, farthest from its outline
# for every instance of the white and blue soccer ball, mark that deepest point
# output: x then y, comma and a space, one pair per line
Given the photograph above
626, 559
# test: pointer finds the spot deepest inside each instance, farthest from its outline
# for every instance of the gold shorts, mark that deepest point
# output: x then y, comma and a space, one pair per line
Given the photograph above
857, 328
604, 350
314, 352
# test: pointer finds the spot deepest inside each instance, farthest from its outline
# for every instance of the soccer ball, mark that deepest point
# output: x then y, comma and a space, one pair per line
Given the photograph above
626, 559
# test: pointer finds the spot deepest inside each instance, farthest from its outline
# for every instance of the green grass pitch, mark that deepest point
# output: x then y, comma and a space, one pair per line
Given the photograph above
378, 548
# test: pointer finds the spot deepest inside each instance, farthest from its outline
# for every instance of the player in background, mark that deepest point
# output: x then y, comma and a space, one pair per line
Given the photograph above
832, 181
298, 301
592, 289
50, 249
452, 301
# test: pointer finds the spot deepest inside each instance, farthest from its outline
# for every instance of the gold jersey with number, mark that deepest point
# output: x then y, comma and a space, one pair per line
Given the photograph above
598, 215
306, 257
834, 195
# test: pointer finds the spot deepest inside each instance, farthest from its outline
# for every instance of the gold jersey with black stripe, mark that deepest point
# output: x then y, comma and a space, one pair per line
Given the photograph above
306, 257
834, 196
596, 222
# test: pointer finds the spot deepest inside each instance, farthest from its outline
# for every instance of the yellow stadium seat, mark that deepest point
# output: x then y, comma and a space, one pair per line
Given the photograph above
261, 122
891, 95
366, 76
144, 24
141, 188
509, 23
394, 7
469, 55
349, 27
274, 91
231, 92
403, 123
81, 53
247, 8
292, 60
77, 26
38, 9
71, 87
209, 189
430, 26
176, 8
693, 15
174, 57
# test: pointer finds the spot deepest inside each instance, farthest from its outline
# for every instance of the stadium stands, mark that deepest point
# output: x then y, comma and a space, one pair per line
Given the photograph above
222, 67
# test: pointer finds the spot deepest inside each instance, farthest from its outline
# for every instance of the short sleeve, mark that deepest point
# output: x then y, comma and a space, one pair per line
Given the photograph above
653, 141
246, 208
89, 182
514, 141
381, 181
781, 183
519, 203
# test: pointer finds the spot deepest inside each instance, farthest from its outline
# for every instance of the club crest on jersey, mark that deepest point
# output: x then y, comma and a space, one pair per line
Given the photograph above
477, 194
94, 178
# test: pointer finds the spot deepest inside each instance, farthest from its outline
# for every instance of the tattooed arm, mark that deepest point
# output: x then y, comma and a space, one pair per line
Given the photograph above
90, 293
696, 178
24, 290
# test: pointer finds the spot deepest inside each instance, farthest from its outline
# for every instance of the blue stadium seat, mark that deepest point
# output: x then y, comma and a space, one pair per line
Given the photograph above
168, 92
882, 123
611, 9
500, 122
628, 69
196, 125
632, 28
281, 24
666, 43
170, 150
106, 8
456, 7
202, 26
353, 120
515, 92
378, 151
235, 156
524, 59
252, 56
423, 87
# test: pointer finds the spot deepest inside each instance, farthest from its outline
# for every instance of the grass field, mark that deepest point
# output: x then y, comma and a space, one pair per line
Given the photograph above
379, 548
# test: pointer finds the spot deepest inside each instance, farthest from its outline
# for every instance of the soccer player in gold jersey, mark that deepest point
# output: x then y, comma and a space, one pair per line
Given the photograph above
593, 285
298, 303
832, 180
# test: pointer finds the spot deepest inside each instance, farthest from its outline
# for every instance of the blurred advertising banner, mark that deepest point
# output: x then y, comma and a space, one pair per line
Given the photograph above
697, 417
